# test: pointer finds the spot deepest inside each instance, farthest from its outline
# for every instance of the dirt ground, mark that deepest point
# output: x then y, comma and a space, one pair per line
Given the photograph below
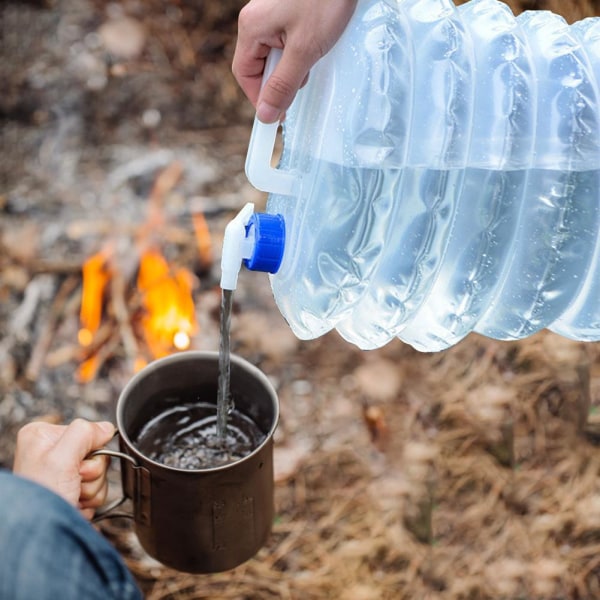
467, 474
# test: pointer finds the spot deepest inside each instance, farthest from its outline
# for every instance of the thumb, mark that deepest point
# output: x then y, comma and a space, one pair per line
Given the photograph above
81, 437
281, 87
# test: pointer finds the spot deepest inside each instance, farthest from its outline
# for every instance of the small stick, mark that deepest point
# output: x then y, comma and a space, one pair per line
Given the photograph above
121, 313
42, 346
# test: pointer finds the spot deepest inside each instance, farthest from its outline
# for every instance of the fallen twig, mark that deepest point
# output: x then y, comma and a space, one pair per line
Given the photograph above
44, 341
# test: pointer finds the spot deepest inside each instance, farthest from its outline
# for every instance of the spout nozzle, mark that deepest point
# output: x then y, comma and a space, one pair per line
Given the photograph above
236, 247
255, 239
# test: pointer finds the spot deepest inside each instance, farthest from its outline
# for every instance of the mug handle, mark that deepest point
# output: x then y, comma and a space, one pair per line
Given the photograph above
105, 512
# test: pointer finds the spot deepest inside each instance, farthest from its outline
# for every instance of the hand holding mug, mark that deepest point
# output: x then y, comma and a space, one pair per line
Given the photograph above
55, 456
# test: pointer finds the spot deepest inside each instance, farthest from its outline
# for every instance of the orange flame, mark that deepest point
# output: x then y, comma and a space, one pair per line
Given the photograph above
88, 368
169, 318
96, 275
97, 272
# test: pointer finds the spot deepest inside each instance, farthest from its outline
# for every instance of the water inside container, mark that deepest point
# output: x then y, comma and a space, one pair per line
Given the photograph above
185, 436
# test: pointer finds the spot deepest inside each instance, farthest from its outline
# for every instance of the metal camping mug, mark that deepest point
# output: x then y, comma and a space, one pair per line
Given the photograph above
197, 520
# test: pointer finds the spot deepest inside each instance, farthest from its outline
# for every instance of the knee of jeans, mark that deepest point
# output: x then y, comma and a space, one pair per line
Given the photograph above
43, 529
24, 502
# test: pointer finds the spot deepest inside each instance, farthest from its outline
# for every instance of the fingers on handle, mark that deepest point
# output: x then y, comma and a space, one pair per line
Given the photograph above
93, 493
280, 90
81, 437
94, 467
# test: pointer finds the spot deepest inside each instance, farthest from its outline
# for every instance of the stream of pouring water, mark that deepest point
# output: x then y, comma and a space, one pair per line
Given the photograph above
224, 404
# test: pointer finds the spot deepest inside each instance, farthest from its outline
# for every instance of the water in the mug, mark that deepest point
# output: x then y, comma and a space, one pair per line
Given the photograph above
224, 402
186, 437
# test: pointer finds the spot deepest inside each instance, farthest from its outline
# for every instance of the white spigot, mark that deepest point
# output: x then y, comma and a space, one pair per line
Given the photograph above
236, 247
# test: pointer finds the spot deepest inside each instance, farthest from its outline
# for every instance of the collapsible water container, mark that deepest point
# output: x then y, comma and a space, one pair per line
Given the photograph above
440, 174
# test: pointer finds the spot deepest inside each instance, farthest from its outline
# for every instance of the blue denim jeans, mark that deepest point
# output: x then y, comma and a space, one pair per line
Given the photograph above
48, 550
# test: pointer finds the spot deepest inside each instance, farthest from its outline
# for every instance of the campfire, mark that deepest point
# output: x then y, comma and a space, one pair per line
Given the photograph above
150, 302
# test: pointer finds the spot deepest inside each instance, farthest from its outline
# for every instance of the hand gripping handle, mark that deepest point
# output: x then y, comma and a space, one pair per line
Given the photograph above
259, 171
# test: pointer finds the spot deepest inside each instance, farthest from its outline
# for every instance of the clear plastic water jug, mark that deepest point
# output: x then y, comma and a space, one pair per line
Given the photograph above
440, 174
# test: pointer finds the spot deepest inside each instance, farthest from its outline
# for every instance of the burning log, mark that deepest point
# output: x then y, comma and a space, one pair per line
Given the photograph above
153, 319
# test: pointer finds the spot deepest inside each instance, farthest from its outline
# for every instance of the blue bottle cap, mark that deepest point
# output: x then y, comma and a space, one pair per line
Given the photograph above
268, 232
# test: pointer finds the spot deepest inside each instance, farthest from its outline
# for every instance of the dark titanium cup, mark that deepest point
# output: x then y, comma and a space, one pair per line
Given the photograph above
205, 520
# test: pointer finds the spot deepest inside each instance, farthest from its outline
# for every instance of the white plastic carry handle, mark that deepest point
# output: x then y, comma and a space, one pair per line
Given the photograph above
259, 171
